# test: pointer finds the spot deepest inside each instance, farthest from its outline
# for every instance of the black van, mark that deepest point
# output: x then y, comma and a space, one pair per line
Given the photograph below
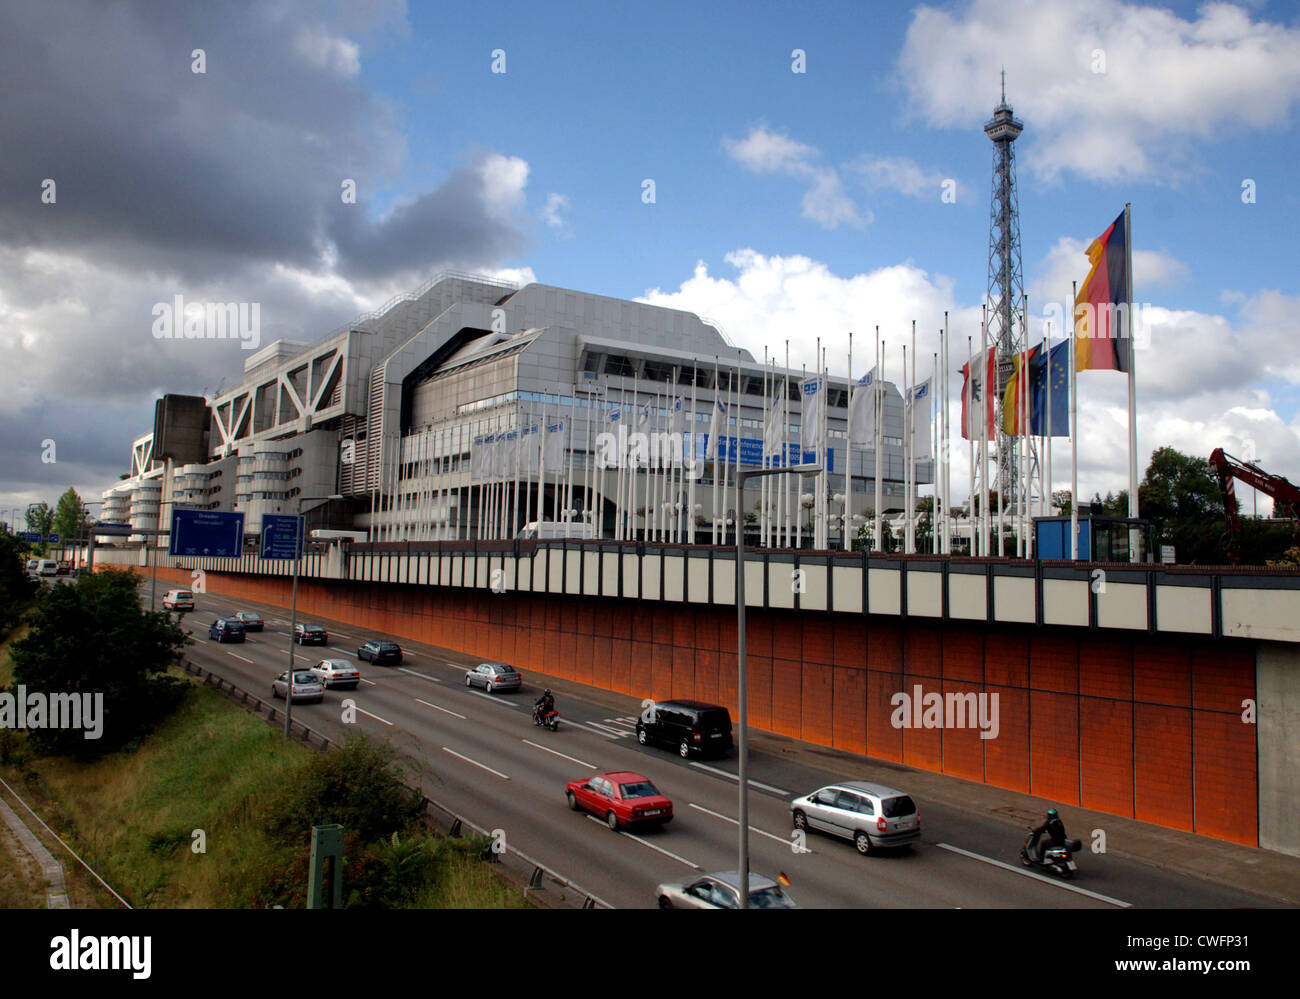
690, 726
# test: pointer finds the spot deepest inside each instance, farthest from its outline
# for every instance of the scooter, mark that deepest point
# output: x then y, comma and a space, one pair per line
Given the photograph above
1057, 858
550, 719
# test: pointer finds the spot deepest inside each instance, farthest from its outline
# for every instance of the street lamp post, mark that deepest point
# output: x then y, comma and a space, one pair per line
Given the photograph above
293, 613
742, 675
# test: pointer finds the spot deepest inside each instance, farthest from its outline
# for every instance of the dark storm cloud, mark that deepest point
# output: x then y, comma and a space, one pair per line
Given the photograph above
168, 169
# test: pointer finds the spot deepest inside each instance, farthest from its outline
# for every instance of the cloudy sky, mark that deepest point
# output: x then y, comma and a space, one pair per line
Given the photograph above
798, 154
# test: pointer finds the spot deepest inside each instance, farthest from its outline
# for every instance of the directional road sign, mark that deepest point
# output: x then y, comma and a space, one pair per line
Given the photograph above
280, 536
207, 532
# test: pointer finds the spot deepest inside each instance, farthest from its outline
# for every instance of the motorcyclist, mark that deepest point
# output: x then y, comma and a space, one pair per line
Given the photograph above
545, 704
1055, 830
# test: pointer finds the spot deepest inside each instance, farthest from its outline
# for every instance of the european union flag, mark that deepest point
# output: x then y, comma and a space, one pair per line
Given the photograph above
1059, 371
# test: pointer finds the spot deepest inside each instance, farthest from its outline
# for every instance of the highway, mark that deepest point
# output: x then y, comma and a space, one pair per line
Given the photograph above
480, 755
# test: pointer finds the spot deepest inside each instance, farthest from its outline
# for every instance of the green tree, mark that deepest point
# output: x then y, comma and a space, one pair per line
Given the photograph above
40, 518
16, 587
69, 516
93, 637
1063, 501
359, 786
1180, 495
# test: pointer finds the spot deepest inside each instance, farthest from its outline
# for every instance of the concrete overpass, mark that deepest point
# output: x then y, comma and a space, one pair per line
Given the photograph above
1166, 694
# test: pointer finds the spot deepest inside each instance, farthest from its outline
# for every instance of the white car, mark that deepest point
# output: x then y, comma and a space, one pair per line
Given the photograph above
306, 686
337, 673
178, 600
872, 815
722, 891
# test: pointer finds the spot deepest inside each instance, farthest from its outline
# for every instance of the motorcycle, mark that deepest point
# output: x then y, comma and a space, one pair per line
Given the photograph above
1057, 858
550, 719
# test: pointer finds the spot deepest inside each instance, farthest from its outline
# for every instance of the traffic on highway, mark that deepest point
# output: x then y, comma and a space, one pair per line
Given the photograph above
638, 801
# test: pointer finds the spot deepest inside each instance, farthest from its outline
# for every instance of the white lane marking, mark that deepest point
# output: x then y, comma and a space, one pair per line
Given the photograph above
437, 708
493, 699
659, 849
571, 759
622, 723
736, 778
453, 665
422, 676
1037, 877
614, 732
588, 728
754, 829
371, 682
249, 661
375, 717
475, 762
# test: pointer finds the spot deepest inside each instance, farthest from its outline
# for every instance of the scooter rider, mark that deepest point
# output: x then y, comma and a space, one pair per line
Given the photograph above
1054, 828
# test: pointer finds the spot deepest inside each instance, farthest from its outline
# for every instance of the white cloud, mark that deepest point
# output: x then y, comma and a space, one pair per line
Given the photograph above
555, 204
329, 52
1201, 383
825, 202
504, 179
1166, 79
898, 173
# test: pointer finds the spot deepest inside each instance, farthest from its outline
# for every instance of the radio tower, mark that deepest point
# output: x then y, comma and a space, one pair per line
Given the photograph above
1006, 284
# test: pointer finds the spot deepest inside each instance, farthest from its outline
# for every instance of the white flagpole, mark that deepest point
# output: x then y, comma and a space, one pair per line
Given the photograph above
690, 485
968, 390
908, 450
717, 447
1047, 487
763, 482
798, 494
986, 405
848, 456
947, 443
1074, 427
879, 388
784, 513
1132, 381
935, 508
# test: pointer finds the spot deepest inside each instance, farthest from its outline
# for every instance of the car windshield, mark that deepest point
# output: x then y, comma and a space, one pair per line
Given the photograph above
770, 898
500, 668
715, 721
387, 646
304, 678
638, 789
892, 808
313, 627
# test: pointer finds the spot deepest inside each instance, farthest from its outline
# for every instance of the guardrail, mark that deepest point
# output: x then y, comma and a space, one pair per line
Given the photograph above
458, 822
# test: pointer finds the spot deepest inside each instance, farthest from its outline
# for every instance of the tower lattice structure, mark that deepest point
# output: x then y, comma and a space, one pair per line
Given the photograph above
1007, 331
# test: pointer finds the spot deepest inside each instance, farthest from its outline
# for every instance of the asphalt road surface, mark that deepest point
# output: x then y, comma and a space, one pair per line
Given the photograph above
481, 756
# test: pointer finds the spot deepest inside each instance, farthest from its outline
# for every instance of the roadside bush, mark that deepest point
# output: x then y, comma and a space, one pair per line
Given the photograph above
94, 638
358, 786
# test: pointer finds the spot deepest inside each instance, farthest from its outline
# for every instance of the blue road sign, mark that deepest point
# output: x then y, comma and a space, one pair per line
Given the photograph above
31, 537
280, 536
207, 532
54, 539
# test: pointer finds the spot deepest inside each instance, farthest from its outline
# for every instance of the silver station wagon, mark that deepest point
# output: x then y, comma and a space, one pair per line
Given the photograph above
873, 816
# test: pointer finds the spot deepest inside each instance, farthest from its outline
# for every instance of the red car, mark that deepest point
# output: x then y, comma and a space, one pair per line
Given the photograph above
621, 798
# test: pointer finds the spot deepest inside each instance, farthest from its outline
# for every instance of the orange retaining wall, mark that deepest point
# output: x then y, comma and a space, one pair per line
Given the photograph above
1148, 730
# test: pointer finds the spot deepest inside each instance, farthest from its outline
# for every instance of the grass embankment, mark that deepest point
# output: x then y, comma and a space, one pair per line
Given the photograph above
214, 767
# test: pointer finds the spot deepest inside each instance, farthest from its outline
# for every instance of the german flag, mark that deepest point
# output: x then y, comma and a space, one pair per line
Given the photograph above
1103, 340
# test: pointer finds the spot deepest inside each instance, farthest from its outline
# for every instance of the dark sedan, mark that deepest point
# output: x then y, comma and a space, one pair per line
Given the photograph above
381, 653
252, 620
310, 634
226, 629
